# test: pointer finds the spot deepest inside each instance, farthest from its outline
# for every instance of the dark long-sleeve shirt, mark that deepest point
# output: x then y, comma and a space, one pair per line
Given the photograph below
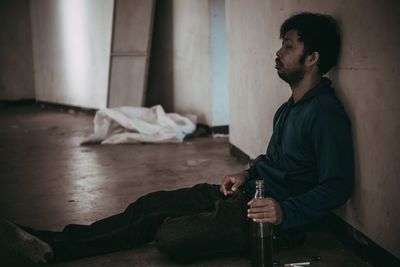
308, 167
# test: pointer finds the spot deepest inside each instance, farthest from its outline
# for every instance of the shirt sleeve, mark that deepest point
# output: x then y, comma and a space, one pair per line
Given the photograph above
331, 142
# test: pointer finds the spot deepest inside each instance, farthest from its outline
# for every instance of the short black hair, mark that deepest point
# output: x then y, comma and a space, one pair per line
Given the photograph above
319, 33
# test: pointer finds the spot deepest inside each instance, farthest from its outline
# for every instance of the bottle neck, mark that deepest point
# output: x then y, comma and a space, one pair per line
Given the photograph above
258, 195
259, 189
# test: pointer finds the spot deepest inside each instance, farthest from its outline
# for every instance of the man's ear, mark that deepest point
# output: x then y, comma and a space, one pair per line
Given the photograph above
312, 59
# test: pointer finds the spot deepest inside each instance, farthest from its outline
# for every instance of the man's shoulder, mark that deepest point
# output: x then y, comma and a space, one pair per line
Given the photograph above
324, 109
328, 110
327, 103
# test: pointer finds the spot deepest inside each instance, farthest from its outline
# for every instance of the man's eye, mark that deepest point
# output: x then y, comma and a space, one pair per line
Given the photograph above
288, 46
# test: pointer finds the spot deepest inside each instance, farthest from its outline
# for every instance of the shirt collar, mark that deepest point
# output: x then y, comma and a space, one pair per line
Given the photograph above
322, 87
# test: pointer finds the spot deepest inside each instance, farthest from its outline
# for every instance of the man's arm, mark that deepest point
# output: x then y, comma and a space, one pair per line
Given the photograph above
306, 208
333, 149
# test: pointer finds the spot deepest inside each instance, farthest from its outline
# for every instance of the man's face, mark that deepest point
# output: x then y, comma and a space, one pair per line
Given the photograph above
290, 60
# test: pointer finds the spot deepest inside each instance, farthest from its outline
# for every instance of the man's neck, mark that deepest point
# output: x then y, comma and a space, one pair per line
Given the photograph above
305, 85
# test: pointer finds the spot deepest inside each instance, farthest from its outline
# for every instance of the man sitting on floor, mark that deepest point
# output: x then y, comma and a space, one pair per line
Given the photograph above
307, 171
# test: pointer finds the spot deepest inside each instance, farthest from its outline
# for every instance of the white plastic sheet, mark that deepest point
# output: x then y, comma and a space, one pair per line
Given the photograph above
123, 125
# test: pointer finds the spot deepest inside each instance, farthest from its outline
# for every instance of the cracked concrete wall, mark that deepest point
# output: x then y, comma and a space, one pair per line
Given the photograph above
366, 80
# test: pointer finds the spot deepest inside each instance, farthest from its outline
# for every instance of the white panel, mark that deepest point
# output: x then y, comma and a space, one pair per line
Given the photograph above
127, 75
133, 23
71, 48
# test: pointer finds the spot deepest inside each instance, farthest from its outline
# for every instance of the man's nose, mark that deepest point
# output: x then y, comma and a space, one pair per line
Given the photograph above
278, 53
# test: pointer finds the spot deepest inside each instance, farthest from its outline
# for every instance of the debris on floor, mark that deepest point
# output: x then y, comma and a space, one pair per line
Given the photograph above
123, 125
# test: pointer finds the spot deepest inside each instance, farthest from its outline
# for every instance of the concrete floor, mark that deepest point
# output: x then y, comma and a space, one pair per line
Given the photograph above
49, 180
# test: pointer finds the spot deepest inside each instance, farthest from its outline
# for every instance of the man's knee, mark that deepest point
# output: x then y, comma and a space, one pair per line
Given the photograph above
189, 238
172, 243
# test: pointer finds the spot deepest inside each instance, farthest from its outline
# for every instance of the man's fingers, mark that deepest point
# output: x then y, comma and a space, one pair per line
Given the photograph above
260, 202
234, 187
251, 203
223, 188
264, 217
228, 185
260, 215
261, 209
265, 210
231, 183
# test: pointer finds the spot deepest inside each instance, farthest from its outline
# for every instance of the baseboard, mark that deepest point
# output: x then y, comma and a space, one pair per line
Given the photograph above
18, 102
206, 130
351, 238
224, 130
364, 247
239, 154
64, 107
47, 105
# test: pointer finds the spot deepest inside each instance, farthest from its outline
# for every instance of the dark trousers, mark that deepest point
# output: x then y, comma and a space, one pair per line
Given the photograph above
187, 224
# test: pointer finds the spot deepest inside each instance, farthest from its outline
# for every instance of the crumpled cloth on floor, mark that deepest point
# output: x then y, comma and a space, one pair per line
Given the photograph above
122, 125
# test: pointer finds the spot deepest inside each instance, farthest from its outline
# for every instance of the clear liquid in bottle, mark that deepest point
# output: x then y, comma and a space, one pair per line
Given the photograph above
262, 248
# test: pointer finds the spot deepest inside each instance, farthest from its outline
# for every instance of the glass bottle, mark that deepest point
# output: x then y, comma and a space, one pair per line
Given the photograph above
261, 236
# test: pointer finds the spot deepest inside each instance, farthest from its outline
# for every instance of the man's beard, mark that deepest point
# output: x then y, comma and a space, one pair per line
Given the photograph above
293, 77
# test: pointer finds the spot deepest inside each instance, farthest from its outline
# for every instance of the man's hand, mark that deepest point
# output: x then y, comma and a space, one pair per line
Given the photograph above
265, 210
232, 182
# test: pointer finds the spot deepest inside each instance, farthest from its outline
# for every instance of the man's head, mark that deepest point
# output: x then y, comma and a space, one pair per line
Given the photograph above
318, 33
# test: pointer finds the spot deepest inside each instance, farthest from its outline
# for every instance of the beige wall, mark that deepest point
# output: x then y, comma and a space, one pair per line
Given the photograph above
179, 75
191, 56
16, 67
71, 51
366, 79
